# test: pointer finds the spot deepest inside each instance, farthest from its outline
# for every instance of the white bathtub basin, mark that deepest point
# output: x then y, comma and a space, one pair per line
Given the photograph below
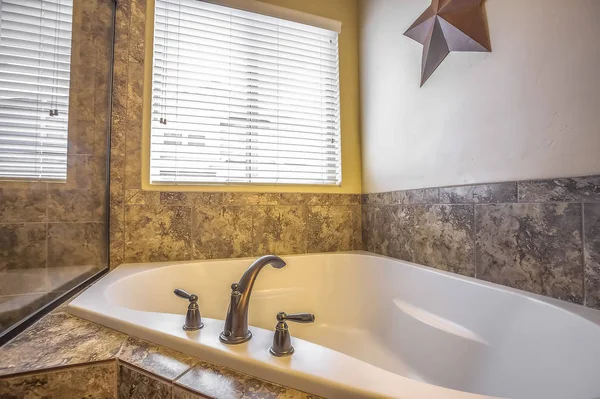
384, 328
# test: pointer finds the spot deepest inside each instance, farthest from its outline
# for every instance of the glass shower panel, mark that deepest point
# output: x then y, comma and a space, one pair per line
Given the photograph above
55, 90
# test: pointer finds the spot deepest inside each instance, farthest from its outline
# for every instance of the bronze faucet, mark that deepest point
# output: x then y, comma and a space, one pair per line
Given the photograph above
236, 323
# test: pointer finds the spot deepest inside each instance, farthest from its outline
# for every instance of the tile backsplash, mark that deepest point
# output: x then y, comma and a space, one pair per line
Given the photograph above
539, 236
163, 226
158, 226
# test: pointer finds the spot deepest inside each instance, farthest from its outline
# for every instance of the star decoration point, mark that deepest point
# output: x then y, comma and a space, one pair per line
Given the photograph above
449, 25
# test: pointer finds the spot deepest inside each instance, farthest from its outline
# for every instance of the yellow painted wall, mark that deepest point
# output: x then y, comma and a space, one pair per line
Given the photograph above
345, 11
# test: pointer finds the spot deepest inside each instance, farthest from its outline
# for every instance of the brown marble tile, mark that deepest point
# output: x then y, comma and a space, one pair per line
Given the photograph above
137, 30
119, 123
117, 185
22, 246
66, 277
95, 381
102, 123
81, 137
357, 241
377, 198
221, 231
439, 236
116, 240
533, 247
218, 382
59, 339
326, 199
91, 172
592, 254
242, 198
133, 168
367, 227
214, 381
585, 188
396, 225
142, 197
417, 196
76, 205
155, 234
330, 228
258, 389
135, 385
279, 230
74, 244
84, 101
23, 204
158, 360
99, 205
23, 281
377, 222
195, 198
297, 198
480, 193
179, 393
17, 307
443, 237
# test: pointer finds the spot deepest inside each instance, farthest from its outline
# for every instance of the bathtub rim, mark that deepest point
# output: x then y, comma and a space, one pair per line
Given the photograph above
78, 308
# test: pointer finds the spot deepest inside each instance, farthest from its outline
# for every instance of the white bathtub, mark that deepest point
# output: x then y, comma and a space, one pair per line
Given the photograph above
384, 328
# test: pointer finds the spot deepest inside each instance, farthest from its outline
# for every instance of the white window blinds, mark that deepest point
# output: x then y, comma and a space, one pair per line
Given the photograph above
35, 52
239, 97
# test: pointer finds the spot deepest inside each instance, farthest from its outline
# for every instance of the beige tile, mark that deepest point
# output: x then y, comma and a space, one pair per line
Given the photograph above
222, 231
330, 228
279, 230
22, 246
23, 204
157, 233
76, 244
59, 339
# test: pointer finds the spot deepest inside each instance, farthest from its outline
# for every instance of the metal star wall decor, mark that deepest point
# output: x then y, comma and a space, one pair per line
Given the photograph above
449, 25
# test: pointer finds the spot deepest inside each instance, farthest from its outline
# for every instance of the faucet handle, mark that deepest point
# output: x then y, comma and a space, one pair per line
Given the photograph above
296, 317
185, 295
282, 341
193, 319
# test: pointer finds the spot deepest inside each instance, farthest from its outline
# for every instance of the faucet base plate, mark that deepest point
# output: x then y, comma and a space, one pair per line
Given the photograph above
229, 340
186, 328
281, 354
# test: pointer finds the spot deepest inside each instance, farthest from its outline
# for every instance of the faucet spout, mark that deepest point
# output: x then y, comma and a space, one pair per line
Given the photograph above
236, 323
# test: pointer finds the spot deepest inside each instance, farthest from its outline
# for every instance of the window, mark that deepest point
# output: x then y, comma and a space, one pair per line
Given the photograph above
35, 52
240, 97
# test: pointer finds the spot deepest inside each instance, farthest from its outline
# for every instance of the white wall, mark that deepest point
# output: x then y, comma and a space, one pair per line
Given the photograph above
530, 109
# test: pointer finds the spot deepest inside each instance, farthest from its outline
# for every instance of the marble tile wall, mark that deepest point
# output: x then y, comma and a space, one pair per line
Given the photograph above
159, 226
538, 236
47, 228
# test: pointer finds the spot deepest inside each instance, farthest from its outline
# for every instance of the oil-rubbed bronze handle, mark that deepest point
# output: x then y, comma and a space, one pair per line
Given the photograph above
296, 317
185, 295
282, 341
193, 319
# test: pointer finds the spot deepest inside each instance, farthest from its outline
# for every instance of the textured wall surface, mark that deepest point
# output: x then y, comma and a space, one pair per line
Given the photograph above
148, 226
52, 235
527, 110
538, 236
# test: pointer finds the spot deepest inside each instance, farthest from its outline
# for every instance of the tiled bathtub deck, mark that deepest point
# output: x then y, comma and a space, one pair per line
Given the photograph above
63, 356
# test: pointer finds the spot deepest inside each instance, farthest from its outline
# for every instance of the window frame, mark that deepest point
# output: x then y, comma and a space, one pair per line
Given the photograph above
147, 184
